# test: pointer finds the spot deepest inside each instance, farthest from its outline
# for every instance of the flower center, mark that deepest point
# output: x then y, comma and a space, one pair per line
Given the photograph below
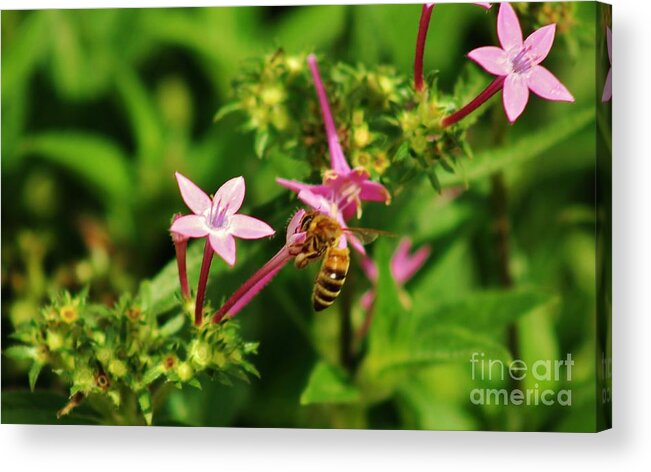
522, 61
219, 218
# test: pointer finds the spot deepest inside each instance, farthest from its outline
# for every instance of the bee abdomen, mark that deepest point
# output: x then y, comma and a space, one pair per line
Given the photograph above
330, 279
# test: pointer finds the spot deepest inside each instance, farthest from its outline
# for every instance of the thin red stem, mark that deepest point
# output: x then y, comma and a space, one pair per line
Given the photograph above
423, 26
253, 285
494, 87
181, 248
203, 281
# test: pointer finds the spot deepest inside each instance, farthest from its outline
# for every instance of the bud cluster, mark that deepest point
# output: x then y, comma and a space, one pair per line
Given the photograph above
380, 117
123, 351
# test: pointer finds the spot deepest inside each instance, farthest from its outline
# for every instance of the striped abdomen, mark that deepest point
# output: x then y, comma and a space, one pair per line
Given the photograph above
331, 277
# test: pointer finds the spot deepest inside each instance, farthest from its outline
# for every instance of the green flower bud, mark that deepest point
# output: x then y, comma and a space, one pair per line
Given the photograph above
117, 368
184, 371
200, 353
54, 340
272, 95
219, 359
104, 355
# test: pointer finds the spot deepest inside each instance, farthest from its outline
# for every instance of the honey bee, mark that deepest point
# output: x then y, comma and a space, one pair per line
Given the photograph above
322, 241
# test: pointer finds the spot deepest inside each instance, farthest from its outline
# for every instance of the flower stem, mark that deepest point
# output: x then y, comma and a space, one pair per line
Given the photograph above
203, 281
181, 248
494, 87
337, 160
252, 287
425, 16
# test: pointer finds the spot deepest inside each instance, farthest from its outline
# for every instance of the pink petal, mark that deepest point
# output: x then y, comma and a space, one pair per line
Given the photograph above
192, 226
224, 245
491, 58
294, 225
374, 192
355, 243
545, 85
508, 28
609, 42
515, 95
608, 87
318, 202
296, 186
247, 227
540, 42
230, 196
196, 199
369, 268
337, 160
404, 266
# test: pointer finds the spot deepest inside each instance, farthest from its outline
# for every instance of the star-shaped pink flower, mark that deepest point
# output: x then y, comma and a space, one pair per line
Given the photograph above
343, 186
518, 63
608, 86
217, 219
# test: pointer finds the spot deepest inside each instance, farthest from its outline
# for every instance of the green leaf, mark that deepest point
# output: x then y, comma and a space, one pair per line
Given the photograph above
20, 352
437, 344
226, 110
481, 311
34, 371
328, 384
41, 408
261, 140
525, 148
402, 152
173, 325
144, 401
96, 160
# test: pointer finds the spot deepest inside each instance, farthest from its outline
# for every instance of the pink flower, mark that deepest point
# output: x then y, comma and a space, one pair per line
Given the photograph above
517, 63
218, 219
343, 186
608, 87
294, 241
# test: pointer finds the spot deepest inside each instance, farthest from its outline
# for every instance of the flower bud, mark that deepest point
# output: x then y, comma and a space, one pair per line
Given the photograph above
117, 368
184, 371
54, 340
200, 353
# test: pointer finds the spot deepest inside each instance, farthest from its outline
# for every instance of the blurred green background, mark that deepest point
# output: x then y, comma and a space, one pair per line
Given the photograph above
100, 107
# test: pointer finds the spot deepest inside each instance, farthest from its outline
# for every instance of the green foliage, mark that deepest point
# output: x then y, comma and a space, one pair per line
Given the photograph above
96, 121
329, 384
122, 351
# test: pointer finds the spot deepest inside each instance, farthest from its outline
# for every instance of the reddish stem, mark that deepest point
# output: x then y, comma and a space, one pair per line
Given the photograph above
181, 248
494, 87
203, 281
425, 16
251, 287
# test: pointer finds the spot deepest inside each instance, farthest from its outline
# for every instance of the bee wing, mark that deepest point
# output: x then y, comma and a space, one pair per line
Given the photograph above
368, 235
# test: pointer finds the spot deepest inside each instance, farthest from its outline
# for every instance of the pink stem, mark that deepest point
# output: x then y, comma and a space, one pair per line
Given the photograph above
203, 281
252, 287
425, 16
337, 159
494, 87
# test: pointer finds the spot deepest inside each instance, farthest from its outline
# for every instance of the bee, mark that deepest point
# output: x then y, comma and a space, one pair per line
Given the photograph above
323, 236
